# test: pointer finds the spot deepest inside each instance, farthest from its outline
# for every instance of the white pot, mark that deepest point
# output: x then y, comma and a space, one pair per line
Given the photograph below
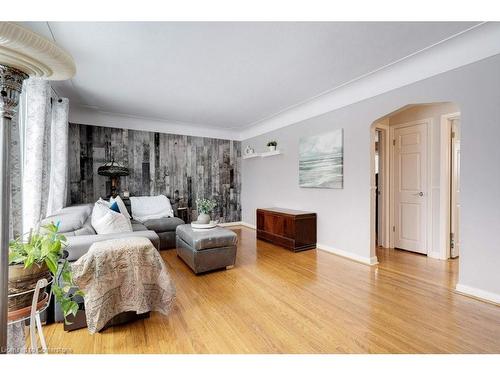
203, 219
271, 148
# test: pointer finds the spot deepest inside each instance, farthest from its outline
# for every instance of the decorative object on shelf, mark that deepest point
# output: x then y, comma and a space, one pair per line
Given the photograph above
126, 194
321, 160
34, 258
249, 151
204, 207
114, 170
271, 145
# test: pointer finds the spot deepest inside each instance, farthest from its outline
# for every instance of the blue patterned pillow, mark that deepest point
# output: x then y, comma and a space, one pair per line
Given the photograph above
114, 207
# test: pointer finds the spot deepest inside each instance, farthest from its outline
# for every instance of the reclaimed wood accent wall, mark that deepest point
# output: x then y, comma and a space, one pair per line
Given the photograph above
181, 167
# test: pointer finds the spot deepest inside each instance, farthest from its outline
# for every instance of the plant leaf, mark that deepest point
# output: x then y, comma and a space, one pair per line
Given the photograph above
51, 262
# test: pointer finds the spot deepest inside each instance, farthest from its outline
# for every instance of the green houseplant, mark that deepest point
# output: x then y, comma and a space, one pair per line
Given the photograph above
205, 207
38, 256
271, 145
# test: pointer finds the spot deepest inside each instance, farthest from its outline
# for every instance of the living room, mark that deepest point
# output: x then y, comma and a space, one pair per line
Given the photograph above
245, 188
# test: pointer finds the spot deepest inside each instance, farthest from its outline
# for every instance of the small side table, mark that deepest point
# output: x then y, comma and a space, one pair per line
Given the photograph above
183, 213
34, 316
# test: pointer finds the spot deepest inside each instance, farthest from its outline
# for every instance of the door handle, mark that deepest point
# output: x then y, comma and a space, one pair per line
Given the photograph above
420, 194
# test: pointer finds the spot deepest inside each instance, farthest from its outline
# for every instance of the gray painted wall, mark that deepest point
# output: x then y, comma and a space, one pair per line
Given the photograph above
344, 215
159, 163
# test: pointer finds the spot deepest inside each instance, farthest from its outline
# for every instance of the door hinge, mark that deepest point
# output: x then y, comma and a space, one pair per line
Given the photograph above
394, 142
452, 134
452, 241
393, 228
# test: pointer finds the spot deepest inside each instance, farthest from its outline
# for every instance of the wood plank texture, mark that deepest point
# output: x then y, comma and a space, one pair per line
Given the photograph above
175, 165
277, 301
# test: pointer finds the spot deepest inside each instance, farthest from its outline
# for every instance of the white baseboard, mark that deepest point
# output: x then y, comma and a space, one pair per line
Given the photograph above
436, 255
230, 224
235, 223
345, 254
349, 255
248, 225
478, 293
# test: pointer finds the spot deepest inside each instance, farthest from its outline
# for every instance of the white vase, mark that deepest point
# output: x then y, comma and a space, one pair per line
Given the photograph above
203, 219
271, 148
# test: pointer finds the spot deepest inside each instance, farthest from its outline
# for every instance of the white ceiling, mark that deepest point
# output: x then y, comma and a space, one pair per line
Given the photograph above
226, 75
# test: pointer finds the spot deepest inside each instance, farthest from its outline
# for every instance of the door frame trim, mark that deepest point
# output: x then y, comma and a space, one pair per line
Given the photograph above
445, 184
385, 194
428, 126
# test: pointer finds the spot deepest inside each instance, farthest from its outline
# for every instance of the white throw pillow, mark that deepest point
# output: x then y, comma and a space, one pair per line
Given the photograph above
105, 220
148, 208
101, 207
122, 208
121, 205
104, 202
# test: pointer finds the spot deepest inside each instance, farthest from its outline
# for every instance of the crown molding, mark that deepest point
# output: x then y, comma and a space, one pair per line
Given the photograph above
475, 44
33, 54
92, 116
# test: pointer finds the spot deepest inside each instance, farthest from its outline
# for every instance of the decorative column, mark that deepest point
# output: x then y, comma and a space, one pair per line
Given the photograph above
11, 83
23, 54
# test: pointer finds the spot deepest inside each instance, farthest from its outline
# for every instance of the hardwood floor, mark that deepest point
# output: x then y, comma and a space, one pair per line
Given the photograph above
277, 301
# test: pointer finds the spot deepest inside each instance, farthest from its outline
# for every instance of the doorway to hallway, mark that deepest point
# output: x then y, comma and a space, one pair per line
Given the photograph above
416, 179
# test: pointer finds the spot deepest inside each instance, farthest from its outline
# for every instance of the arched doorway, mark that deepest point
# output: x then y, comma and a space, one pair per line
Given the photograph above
415, 181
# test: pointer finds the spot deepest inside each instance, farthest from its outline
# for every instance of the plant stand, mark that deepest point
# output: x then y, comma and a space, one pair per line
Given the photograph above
35, 326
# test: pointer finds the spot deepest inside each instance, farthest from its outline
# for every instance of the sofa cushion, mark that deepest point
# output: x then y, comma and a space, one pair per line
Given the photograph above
70, 218
86, 229
79, 245
137, 226
165, 224
148, 208
206, 239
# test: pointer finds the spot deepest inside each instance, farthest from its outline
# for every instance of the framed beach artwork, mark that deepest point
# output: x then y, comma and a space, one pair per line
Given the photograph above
321, 160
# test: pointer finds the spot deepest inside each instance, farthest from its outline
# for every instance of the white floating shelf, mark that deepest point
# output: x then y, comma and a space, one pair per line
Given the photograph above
250, 156
262, 154
270, 153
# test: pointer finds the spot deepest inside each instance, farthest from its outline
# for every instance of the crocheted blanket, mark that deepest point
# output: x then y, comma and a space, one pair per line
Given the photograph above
122, 275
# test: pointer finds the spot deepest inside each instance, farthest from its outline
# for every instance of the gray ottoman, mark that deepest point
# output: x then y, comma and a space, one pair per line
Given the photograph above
206, 250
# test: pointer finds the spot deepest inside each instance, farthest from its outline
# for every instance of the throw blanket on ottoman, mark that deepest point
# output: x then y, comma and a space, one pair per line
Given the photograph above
122, 275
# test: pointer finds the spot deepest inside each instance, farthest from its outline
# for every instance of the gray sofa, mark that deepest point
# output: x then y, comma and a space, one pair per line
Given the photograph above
75, 224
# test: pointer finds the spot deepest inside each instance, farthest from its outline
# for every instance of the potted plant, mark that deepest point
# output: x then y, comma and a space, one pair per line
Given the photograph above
205, 207
271, 145
33, 258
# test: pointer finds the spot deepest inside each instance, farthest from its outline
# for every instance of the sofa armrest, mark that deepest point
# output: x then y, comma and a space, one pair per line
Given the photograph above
79, 245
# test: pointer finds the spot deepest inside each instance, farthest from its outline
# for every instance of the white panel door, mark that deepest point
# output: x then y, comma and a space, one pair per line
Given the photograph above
455, 188
410, 193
